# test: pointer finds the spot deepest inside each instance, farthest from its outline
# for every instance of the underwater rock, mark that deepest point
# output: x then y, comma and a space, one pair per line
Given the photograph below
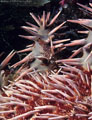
35, 3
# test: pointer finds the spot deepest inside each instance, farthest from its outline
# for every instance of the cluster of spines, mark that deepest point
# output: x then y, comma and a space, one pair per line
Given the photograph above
37, 96
43, 47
